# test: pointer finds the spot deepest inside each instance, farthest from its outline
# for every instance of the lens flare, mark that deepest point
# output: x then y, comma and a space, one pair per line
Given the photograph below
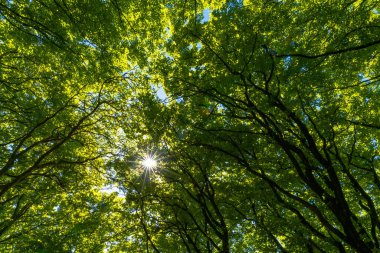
148, 162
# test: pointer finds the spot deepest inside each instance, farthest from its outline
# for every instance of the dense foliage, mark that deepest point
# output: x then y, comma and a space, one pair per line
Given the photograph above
263, 117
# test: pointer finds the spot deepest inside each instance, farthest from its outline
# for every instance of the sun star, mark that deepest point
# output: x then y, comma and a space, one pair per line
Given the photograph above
149, 162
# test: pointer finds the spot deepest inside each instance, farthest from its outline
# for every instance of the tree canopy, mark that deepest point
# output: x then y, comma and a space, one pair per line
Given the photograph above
189, 126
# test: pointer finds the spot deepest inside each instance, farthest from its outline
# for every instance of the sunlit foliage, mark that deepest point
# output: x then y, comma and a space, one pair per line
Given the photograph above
189, 126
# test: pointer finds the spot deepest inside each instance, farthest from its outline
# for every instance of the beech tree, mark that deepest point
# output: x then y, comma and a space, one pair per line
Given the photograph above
189, 126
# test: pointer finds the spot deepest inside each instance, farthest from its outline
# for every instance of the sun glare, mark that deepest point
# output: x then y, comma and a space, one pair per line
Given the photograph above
149, 162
